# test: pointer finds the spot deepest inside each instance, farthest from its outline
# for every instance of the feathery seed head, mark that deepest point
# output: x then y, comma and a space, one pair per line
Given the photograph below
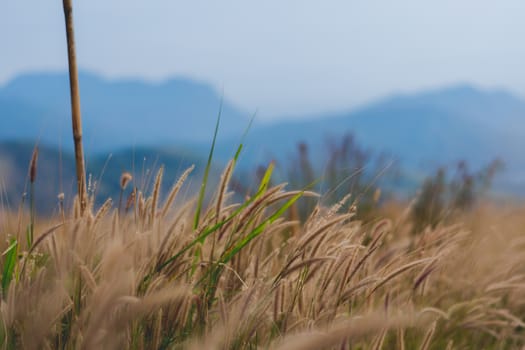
125, 179
32, 166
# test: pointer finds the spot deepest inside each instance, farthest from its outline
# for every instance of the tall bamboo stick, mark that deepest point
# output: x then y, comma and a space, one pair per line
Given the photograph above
75, 105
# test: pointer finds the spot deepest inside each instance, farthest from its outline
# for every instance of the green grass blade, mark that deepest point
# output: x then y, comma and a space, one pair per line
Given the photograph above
263, 186
9, 264
208, 231
266, 178
259, 229
237, 153
244, 135
197, 257
207, 172
215, 273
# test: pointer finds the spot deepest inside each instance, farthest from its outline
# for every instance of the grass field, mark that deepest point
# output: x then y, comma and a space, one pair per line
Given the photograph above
262, 269
173, 273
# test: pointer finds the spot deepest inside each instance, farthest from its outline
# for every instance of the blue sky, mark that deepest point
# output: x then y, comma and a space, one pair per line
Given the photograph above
284, 57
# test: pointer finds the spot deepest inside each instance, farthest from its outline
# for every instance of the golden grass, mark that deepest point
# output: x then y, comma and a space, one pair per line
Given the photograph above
147, 279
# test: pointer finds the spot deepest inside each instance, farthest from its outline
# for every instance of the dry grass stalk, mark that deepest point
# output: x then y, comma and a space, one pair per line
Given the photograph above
428, 337
223, 185
33, 165
356, 328
175, 190
75, 105
156, 194
125, 179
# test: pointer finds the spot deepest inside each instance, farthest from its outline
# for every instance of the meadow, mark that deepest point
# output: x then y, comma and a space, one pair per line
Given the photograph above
259, 269
164, 271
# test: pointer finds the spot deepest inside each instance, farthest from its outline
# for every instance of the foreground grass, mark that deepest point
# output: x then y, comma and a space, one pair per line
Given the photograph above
245, 275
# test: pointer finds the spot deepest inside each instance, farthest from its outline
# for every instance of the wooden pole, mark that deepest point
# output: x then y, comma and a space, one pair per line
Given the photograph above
75, 105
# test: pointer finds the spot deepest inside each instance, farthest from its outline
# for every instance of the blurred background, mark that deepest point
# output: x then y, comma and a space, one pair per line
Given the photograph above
367, 96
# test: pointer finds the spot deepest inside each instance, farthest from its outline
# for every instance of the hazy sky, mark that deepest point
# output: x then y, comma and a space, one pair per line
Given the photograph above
284, 57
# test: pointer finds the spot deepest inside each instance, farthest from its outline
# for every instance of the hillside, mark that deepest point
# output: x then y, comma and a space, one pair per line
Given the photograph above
56, 172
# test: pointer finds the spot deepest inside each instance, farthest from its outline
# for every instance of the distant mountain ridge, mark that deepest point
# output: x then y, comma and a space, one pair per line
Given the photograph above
116, 113
458, 122
422, 130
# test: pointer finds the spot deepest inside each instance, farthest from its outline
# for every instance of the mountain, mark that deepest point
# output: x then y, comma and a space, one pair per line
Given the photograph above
425, 129
421, 131
115, 113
